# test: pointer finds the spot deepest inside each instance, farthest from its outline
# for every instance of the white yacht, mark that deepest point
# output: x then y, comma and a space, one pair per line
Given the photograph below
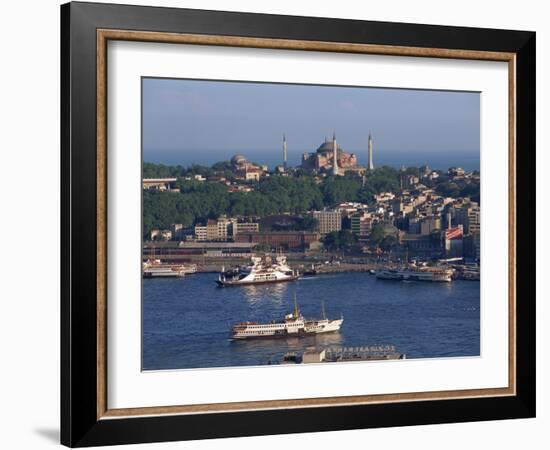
261, 270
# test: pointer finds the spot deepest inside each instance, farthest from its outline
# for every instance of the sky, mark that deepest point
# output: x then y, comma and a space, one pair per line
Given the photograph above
201, 122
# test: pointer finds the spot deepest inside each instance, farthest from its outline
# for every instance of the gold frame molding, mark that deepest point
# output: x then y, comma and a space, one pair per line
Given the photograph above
104, 35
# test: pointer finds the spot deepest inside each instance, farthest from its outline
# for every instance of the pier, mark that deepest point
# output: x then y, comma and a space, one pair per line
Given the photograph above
343, 354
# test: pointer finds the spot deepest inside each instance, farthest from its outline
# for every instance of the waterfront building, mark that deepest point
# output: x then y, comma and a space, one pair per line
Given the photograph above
245, 227
467, 214
177, 231
472, 245
361, 224
453, 241
424, 224
281, 240
201, 233
215, 230
329, 221
423, 244
173, 249
477, 244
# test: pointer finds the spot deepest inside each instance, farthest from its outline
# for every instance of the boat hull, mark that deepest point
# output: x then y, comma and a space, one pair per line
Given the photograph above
415, 276
299, 334
248, 283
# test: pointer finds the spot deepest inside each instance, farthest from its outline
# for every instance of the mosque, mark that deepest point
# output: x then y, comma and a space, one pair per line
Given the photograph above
331, 158
247, 170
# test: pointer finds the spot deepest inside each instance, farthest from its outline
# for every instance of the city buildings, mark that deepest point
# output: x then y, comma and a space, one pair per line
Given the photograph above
160, 184
223, 229
282, 240
245, 227
161, 235
426, 215
361, 224
329, 221
467, 214
246, 170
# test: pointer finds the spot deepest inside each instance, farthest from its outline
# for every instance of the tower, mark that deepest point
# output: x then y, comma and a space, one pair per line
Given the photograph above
335, 150
371, 163
284, 152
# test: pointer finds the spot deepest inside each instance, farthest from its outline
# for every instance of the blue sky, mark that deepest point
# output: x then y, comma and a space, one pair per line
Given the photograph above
193, 121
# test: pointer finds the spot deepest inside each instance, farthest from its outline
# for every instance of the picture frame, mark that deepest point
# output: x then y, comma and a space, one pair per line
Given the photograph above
86, 418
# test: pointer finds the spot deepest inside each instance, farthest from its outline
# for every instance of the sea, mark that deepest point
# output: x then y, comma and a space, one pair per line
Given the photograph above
186, 321
442, 160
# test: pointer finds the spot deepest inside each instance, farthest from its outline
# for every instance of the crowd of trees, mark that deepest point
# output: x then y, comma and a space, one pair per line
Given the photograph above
198, 201
340, 240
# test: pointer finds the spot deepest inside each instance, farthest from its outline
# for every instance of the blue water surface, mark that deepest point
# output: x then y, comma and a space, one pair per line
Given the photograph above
186, 321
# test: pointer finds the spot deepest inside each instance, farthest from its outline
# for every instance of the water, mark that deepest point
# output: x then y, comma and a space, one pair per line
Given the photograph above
186, 321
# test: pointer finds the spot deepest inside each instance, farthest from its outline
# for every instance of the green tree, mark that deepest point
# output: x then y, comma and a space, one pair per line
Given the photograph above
389, 242
377, 234
448, 189
340, 240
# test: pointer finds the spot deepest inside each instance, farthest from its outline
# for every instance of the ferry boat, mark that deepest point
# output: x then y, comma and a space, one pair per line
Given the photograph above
416, 274
293, 325
259, 271
158, 269
189, 268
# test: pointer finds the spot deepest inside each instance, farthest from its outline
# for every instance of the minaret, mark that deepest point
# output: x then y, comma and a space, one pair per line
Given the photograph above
284, 152
335, 150
371, 163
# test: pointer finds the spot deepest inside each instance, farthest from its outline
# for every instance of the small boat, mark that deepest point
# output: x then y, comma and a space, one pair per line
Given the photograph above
416, 274
311, 272
158, 269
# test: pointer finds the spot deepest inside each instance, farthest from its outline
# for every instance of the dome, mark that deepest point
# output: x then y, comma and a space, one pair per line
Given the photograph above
326, 147
238, 159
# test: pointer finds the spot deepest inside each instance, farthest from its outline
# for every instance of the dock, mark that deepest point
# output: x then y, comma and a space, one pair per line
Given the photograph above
343, 354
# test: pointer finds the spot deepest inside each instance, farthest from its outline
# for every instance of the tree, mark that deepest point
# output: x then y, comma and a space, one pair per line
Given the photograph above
309, 224
389, 242
340, 240
448, 189
377, 234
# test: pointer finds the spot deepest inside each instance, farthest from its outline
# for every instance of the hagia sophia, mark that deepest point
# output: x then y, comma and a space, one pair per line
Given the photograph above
331, 158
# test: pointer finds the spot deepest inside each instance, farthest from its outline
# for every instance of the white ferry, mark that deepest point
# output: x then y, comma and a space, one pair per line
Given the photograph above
416, 274
158, 269
259, 271
293, 325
